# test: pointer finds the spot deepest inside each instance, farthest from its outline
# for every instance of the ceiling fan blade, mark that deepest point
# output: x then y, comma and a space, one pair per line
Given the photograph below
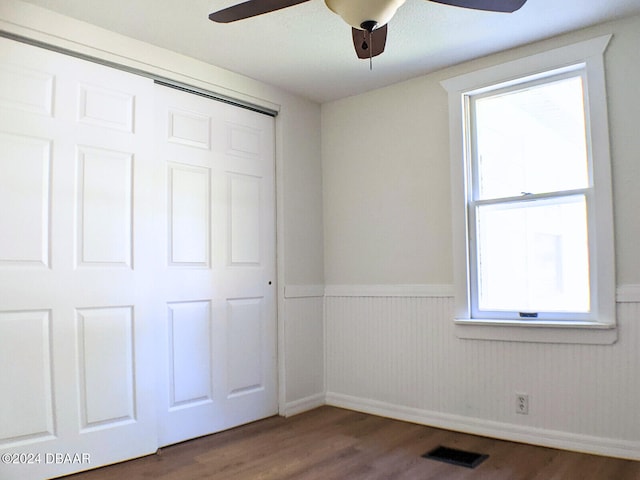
506, 6
376, 43
250, 9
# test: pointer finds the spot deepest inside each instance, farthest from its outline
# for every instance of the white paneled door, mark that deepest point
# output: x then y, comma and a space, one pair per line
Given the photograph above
136, 250
218, 333
76, 336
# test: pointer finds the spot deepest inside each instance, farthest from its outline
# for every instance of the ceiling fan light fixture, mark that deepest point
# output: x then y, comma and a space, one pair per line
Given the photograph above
357, 12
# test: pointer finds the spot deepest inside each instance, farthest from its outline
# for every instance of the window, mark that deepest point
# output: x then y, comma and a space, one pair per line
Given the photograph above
531, 186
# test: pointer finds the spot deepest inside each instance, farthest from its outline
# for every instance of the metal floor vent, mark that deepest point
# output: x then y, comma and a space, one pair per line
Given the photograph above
456, 457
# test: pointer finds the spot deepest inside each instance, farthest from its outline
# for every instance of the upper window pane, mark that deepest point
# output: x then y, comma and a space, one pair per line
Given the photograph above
531, 140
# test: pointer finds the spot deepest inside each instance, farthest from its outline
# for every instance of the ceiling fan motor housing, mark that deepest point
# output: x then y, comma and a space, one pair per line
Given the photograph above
361, 12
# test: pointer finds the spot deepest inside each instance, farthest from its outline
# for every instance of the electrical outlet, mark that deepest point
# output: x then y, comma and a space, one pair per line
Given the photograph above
522, 403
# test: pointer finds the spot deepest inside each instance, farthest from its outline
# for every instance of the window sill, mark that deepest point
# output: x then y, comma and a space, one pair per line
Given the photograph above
537, 332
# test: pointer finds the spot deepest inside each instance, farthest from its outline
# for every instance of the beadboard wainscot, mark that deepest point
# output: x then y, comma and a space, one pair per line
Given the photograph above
304, 338
396, 354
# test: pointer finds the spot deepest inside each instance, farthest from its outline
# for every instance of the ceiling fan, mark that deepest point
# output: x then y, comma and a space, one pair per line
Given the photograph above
368, 18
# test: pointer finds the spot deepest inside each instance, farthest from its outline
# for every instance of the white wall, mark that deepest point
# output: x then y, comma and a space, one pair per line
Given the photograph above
303, 305
386, 188
299, 195
387, 230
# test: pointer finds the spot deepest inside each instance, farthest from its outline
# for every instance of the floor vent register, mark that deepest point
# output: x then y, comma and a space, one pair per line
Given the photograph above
456, 457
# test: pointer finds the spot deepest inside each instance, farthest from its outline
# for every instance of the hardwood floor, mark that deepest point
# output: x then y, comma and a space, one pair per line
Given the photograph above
330, 443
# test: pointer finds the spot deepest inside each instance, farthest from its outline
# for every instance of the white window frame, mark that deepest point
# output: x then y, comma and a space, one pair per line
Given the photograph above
599, 327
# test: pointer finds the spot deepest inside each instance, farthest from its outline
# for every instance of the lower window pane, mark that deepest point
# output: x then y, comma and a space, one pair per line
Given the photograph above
533, 256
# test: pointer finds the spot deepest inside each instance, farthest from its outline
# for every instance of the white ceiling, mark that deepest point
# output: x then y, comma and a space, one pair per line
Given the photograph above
307, 50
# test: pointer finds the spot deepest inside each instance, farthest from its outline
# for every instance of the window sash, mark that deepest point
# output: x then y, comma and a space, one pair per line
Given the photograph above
546, 199
473, 156
474, 202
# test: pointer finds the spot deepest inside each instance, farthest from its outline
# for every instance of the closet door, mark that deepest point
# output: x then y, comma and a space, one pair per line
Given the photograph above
137, 265
218, 331
76, 274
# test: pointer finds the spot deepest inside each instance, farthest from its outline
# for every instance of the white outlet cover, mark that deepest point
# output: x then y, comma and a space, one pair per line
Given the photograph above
522, 403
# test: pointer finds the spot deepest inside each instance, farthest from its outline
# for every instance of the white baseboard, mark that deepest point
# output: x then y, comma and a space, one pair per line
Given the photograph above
516, 433
304, 404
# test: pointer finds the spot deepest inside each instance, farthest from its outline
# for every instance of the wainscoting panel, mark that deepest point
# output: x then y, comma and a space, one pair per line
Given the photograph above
304, 347
399, 356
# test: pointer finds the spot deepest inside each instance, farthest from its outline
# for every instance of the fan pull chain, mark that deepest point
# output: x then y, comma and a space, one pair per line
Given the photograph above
370, 51
367, 28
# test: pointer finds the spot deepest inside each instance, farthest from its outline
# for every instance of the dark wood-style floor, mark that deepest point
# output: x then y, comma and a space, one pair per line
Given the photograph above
331, 443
